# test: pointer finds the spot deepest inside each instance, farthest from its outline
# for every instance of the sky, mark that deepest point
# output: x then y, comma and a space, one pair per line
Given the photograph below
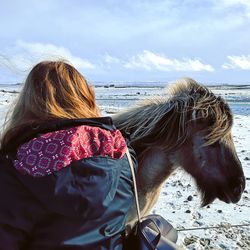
128, 40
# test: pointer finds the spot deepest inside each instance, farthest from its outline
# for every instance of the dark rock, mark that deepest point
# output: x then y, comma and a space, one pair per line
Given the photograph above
190, 240
197, 215
205, 242
178, 194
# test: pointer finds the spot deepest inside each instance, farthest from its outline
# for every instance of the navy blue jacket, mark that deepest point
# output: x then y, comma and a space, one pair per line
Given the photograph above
81, 206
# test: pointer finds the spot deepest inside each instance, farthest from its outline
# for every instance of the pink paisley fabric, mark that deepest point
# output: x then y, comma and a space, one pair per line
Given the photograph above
55, 150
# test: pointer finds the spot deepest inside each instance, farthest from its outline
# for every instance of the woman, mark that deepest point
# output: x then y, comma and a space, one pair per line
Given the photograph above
65, 182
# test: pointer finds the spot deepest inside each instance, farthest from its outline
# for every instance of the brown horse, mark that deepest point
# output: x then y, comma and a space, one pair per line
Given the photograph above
191, 129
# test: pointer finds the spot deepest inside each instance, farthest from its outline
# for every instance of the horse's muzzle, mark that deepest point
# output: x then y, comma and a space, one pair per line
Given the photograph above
238, 190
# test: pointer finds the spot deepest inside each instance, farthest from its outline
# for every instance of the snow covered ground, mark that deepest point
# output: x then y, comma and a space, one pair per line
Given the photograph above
179, 200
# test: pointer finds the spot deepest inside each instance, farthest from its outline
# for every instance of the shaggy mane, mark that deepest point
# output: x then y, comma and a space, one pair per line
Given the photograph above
166, 121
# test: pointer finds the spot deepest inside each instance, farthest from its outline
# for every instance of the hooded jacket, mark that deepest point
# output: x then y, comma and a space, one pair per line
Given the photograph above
65, 185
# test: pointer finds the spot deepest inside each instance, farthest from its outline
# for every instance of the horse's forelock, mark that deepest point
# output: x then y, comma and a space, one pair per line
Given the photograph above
218, 114
210, 107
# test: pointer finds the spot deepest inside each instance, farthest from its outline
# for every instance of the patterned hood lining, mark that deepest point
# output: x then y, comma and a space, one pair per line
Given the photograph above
53, 151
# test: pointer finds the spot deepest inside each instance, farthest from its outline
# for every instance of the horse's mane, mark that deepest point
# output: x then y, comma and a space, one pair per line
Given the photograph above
166, 120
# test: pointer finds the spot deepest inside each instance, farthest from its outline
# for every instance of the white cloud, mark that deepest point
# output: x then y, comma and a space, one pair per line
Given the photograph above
24, 55
151, 61
110, 59
245, 4
238, 62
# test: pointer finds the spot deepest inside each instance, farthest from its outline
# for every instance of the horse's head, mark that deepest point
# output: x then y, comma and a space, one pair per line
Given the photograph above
208, 152
215, 167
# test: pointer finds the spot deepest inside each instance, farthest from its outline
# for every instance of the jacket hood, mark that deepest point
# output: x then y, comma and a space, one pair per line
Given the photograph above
55, 150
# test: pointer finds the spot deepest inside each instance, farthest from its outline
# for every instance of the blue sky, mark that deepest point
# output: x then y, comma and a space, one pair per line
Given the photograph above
122, 40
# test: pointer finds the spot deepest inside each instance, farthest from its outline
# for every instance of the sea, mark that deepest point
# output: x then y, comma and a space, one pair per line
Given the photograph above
115, 96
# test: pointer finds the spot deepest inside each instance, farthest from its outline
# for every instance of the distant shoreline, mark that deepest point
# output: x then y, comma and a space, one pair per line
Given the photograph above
153, 84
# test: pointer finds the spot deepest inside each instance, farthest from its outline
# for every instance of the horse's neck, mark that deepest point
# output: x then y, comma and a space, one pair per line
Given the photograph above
154, 168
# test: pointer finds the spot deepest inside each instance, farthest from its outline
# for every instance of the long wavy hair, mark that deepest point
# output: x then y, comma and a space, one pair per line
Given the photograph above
52, 90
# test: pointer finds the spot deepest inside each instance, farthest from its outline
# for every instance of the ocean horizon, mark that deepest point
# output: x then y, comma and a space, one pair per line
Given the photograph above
145, 84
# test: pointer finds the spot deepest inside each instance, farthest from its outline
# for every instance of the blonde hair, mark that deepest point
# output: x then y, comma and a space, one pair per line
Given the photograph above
53, 89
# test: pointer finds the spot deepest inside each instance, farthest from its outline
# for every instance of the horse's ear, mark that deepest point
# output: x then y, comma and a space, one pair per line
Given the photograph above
194, 115
201, 114
198, 120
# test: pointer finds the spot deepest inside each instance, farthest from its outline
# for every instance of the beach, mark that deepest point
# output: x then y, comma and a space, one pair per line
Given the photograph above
217, 226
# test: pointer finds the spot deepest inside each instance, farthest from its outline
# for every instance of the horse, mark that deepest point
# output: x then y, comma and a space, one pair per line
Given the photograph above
190, 127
